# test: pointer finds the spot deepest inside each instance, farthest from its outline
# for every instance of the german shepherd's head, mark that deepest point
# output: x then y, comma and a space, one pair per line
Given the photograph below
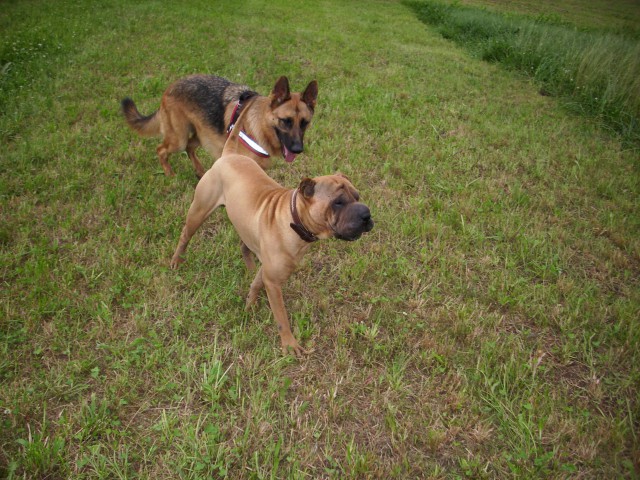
291, 115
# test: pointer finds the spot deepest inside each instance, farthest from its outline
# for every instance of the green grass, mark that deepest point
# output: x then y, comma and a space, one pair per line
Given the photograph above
486, 328
597, 72
620, 16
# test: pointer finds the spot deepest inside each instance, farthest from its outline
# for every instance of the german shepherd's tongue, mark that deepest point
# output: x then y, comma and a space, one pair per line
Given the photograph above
288, 156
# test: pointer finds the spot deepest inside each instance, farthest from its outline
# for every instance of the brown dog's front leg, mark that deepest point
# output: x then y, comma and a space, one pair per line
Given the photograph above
255, 288
274, 293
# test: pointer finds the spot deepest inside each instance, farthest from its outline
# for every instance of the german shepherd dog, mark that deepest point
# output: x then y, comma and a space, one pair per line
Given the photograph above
201, 110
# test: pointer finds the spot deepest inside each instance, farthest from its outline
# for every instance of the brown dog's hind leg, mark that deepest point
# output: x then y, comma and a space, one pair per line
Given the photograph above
247, 257
192, 145
193, 223
207, 197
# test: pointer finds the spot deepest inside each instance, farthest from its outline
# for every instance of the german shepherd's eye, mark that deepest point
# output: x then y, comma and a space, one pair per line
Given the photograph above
286, 122
303, 124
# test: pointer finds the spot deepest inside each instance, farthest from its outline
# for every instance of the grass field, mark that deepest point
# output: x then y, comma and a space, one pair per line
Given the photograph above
594, 71
486, 328
619, 15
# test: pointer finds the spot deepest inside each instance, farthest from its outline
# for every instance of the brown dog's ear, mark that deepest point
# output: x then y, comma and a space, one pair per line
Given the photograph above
338, 174
280, 92
307, 187
310, 95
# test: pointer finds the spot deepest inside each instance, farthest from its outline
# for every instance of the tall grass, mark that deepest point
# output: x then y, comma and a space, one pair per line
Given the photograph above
597, 72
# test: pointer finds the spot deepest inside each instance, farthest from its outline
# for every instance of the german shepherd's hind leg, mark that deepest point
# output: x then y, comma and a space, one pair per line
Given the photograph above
166, 148
176, 131
192, 145
207, 197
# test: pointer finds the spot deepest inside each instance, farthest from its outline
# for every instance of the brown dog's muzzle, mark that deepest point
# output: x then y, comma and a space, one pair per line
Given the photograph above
354, 220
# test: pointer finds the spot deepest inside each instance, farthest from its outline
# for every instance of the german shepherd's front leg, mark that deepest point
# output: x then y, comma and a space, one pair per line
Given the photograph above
192, 146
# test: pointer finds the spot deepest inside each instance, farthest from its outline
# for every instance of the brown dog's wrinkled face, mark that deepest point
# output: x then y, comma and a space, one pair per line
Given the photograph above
334, 204
292, 113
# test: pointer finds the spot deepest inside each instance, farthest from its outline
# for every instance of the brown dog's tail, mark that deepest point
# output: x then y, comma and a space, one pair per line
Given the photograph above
147, 126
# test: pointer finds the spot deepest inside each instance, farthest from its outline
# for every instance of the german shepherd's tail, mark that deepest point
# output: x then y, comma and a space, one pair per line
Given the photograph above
147, 126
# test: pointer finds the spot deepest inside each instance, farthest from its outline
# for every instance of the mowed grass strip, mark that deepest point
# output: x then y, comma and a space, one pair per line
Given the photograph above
597, 72
487, 327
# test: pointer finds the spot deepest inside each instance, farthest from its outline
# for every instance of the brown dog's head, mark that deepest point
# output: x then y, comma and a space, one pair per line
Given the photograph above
292, 113
333, 208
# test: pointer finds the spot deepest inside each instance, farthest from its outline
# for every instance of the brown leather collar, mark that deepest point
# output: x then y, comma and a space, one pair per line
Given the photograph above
297, 225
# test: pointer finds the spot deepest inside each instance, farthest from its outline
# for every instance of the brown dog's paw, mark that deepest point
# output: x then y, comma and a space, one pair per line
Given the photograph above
250, 302
176, 262
291, 345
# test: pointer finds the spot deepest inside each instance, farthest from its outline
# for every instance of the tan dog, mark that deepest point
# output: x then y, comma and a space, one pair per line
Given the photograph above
201, 109
275, 223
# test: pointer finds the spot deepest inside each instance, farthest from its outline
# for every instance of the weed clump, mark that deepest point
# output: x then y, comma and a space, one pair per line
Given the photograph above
597, 72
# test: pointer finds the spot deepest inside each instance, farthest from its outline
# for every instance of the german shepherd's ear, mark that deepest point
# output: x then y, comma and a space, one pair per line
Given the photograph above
280, 92
310, 95
307, 187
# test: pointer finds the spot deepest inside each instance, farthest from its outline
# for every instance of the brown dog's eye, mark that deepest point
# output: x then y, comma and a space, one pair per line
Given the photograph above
303, 124
286, 122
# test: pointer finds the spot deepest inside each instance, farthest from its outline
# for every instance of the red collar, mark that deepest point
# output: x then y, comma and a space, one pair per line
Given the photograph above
246, 140
297, 225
